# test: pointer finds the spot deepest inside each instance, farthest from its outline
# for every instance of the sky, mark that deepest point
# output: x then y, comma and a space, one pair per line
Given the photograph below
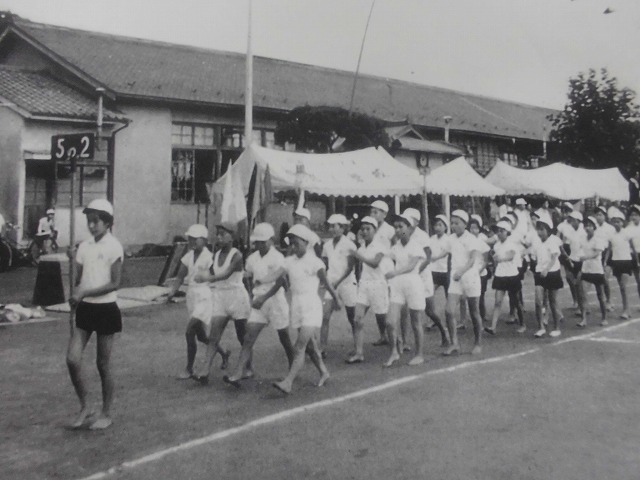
519, 50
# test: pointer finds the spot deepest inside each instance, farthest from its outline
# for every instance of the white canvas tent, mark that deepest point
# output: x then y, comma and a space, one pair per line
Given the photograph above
560, 181
459, 178
367, 172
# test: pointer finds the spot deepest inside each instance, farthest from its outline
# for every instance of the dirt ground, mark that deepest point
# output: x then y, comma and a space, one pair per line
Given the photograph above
560, 410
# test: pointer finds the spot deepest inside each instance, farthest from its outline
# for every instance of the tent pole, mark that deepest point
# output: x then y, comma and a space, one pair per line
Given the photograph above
396, 204
447, 206
425, 203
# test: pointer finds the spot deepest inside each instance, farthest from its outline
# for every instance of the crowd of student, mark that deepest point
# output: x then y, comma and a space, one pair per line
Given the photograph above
393, 270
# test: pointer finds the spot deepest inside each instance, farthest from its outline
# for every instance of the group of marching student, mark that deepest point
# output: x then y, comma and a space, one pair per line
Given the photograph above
401, 267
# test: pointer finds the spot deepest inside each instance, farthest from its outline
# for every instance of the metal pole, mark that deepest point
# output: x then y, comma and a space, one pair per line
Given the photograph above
355, 78
248, 91
72, 236
425, 205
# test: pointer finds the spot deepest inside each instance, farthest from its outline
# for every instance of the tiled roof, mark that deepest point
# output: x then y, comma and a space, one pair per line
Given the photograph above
39, 94
137, 67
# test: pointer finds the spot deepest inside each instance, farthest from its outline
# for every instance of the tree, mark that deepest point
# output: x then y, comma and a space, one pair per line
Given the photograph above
600, 124
319, 130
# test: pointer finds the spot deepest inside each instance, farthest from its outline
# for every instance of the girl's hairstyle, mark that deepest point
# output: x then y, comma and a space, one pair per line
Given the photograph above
102, 215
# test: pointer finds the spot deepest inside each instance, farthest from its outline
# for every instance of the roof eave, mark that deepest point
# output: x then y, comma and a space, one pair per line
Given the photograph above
94, 83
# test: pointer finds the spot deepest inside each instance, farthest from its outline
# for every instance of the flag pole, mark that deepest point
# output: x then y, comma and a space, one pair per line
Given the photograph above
355, 77
248, 89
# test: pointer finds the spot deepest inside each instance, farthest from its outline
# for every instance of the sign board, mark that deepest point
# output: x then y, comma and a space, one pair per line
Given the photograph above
78, 146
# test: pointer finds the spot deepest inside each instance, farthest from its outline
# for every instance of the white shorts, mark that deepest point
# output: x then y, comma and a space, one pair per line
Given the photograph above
275, 312
375, 295
306, 310
408, 289
199, 303
348, 292
231, 303
427, 281
469, 285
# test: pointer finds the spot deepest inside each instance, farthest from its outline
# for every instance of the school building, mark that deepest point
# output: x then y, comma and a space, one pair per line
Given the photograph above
173, 121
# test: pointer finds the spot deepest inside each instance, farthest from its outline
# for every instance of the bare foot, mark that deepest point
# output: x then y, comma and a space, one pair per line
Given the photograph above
247, 374
184, 375
283, 387
417, 360
82, 419
392, 359
477, 350
355, 358
323, 379
101, 423
452, 350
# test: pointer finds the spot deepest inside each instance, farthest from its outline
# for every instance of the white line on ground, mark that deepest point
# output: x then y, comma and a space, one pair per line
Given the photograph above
614, 340
333, 401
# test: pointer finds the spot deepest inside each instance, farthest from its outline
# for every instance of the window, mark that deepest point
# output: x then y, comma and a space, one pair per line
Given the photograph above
203, 153
510, 159
91, 183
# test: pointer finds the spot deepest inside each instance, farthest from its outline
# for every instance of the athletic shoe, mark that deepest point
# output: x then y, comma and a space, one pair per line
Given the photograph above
540, 333
555, 333
522, 329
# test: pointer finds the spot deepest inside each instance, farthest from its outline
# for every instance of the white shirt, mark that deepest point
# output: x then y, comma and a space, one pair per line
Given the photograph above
564, 229
46, 226
260, 267
634, 233
303, 273
462, 248
337, 256
590, 247
575, 239
506, 268
202, 265
524, 221
2, 223
235, 279
545, 250
620, 246
96, 259
402, 255
605, 231
370, 252
440, 245
385, 234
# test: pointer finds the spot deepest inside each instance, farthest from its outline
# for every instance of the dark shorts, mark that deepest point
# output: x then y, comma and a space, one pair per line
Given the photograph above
440, 279
507, 284
522, 269
595, 278
620, 267
102, 318
553, 280
574, 267
484, 281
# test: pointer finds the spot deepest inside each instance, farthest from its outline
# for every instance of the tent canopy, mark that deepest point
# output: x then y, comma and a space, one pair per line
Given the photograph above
560, 181
459, 178
367, 172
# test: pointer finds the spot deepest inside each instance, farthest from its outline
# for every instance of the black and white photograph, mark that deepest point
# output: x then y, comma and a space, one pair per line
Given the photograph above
320, 239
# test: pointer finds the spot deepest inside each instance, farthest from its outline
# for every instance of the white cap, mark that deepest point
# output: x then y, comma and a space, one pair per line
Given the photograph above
634, 208
302, 232
410, 219
546, 221
567, 205
51, 211
576, 216
338, 218
521, 201
100, 205
443, 219
509, 209
461, 214
262, 232
303, 212
478, 219
370, 221
380, 205
601, 209
197, 231
592, 220
504, 225
615, 212
413, 213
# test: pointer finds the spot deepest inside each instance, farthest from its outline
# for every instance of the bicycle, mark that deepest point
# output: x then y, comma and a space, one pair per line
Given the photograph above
13, 255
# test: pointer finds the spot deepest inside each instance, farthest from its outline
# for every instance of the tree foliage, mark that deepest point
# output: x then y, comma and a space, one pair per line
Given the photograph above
320, 129
600, 124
